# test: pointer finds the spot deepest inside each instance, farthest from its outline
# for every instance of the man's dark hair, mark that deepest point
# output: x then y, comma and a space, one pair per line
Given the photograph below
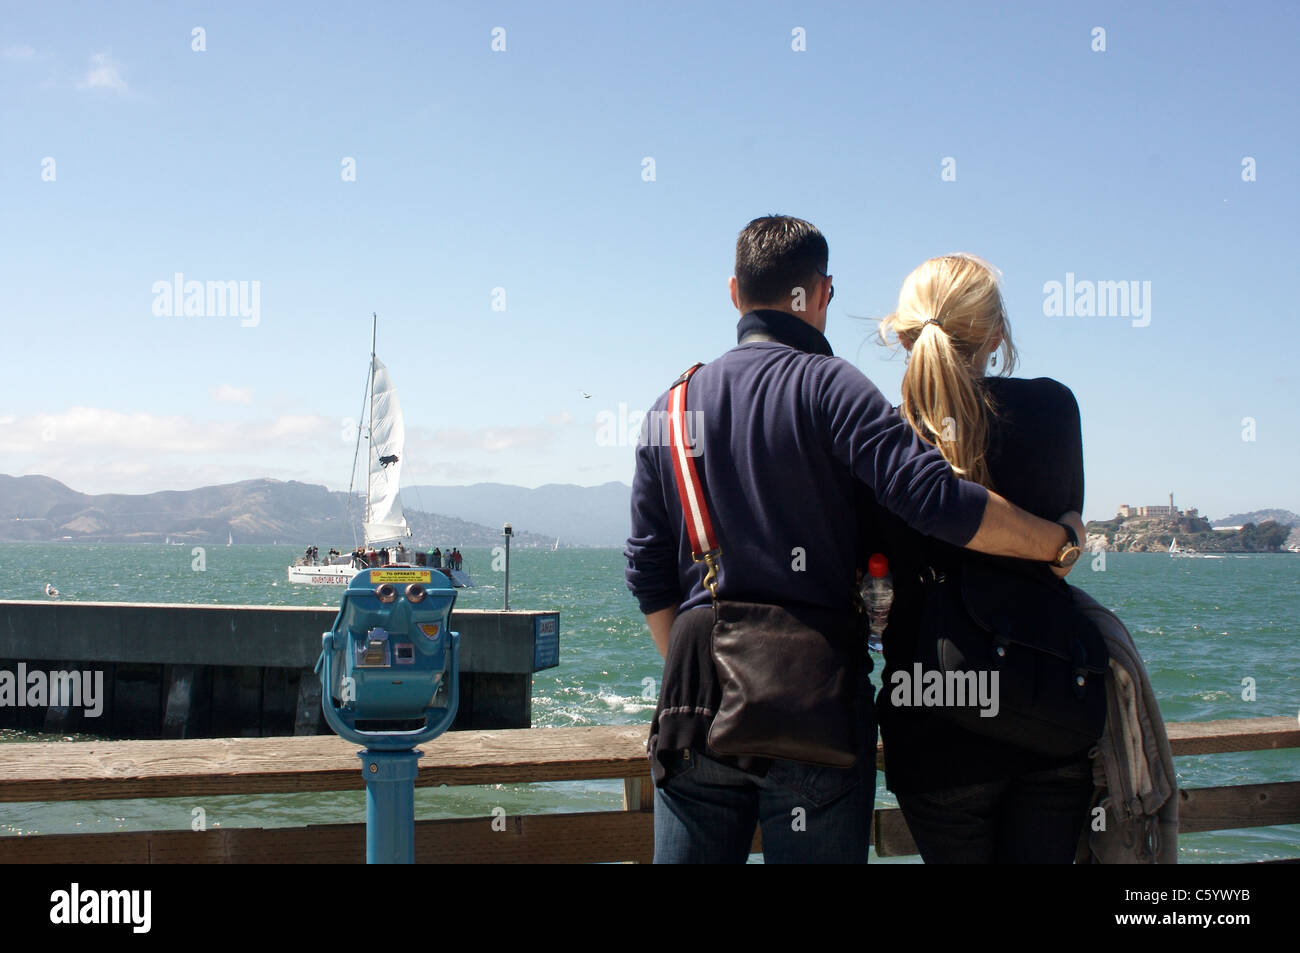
774, 255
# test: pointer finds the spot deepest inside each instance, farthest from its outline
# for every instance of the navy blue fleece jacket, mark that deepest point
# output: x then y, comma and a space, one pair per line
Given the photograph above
785, 430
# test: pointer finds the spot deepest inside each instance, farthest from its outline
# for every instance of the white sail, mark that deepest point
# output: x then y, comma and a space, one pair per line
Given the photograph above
387, 445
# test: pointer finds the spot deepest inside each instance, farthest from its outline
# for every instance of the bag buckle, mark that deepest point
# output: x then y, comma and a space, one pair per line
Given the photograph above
710, 560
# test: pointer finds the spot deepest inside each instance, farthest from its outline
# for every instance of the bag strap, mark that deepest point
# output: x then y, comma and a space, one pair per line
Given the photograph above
695, 508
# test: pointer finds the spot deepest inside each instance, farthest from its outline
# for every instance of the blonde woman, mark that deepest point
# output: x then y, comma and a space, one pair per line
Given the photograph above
969, 798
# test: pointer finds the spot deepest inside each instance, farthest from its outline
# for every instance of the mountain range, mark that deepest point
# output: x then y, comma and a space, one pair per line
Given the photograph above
301, 514
1283, 517
257, 511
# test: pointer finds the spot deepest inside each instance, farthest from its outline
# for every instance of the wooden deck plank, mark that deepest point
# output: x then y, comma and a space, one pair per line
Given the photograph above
1233, 734
51, 771
1239, 805
44, 771
590, 837
593, 837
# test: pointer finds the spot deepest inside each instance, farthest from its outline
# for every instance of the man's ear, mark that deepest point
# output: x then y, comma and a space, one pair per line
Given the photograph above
824, 295
733, 287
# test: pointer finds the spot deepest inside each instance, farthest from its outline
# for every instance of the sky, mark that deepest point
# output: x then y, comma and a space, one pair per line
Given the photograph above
541, 202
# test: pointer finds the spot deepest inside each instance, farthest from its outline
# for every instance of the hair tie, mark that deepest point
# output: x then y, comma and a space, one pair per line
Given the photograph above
934, 322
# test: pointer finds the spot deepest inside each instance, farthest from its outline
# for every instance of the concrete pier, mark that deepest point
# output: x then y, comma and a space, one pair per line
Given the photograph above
199, 671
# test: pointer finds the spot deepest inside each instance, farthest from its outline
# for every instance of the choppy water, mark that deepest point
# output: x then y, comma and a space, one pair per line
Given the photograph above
1203, 625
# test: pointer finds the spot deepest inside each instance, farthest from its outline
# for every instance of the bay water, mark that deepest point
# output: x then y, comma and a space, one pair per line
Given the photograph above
1220, 637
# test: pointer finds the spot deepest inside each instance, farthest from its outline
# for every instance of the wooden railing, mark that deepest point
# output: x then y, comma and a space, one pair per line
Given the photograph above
38, 771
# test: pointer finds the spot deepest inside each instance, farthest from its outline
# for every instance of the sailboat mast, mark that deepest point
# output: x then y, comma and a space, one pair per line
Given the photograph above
370, 448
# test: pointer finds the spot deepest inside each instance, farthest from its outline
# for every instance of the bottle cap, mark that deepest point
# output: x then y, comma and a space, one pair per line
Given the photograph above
877, 565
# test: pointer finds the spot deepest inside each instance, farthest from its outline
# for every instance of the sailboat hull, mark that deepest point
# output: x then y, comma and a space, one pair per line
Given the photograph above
460, 580
322, 575
342, 575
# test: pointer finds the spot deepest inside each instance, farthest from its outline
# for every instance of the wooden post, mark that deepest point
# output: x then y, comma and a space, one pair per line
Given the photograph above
639, 794
308, 718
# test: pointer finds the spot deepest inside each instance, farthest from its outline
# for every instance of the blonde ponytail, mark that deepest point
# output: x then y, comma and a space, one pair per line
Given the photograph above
951, 319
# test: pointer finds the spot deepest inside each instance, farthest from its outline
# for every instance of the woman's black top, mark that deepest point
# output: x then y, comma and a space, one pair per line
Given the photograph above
1035, 459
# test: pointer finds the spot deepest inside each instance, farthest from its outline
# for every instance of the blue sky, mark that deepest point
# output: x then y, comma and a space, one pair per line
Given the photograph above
522, 170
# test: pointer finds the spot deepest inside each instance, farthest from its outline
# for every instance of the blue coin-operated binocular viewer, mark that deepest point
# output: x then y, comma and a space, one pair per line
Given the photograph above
390, 681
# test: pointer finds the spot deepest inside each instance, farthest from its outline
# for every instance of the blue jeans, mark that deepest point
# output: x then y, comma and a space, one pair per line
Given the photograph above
706, 811
1032, 819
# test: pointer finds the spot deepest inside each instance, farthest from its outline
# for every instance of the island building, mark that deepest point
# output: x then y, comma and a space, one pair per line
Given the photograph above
1170, 511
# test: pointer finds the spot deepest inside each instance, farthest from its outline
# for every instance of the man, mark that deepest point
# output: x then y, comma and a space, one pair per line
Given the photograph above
784, 431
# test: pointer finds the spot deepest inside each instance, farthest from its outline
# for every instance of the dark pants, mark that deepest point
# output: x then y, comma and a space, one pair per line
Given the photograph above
1032, 819
706, 812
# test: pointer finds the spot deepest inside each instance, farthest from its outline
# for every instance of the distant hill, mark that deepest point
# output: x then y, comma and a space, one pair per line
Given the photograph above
577, 515
252, 511
1284, 517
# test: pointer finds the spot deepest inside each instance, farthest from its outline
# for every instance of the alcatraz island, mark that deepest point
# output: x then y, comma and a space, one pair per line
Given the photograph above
1150, 529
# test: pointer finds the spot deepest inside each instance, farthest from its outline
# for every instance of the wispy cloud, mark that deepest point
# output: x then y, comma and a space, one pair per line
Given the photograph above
18, 52
104, 73
81, 428
101, 450
228, 394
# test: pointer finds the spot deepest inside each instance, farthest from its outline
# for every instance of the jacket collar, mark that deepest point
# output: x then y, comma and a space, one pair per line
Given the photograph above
785, 329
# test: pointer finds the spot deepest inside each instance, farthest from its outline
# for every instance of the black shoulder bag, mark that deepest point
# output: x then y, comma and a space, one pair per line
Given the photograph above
984, 616
788, 675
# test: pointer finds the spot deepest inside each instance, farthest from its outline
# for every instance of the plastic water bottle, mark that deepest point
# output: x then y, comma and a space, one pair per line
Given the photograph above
877, 597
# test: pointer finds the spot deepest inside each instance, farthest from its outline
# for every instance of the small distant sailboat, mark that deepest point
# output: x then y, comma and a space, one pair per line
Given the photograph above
1186, 553
230, 538
557, 545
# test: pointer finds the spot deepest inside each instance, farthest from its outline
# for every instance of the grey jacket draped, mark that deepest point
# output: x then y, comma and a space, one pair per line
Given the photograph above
1133, 767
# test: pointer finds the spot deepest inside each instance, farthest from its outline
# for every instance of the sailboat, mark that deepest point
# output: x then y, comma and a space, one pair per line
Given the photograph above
1181, 553
383, 522
230, 538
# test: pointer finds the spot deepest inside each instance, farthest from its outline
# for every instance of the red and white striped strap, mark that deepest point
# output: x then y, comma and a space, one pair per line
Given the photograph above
699, 526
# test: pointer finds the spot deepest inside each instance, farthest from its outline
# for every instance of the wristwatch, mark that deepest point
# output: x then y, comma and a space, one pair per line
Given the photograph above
1069, 553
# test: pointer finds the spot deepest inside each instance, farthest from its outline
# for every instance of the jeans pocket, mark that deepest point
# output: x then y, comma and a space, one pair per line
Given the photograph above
816, 784
678, 764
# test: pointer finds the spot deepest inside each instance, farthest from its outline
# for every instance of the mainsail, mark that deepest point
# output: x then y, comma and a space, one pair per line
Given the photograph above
384, 519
